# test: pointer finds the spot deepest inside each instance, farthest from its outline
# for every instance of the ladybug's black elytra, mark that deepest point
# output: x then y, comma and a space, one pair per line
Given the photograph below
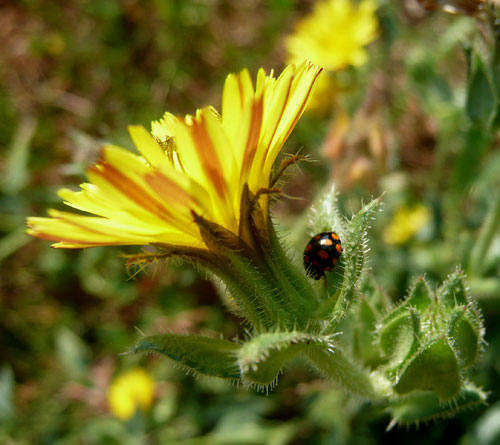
322, 254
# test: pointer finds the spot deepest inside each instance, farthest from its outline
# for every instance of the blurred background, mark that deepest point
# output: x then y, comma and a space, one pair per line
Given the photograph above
74, 74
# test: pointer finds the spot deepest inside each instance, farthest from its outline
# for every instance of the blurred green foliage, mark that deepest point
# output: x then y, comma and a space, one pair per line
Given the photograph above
74, 74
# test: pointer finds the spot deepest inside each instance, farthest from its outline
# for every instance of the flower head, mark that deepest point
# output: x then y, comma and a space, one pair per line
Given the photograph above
189, 169
129, 392
334, 34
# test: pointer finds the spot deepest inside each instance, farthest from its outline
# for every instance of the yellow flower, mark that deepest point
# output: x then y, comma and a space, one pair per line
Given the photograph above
334, 34
406, 223
129, 392
197, 166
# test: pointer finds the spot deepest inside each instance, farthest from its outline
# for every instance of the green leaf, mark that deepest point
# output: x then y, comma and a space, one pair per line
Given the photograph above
209, 356
468, 166
481, 98
421, 407
262, 357
433, 368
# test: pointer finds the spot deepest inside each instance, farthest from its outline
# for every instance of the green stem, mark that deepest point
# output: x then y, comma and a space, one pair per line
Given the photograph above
484, 288
489, 229
335, 366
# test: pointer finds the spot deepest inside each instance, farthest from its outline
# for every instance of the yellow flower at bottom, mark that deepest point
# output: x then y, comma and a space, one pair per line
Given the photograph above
199, 166
129, 392
406, 223
334, 34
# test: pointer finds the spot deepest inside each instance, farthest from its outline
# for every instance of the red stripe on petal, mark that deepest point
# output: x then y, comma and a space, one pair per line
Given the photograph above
168, 189
131, 190
208, 156
253, 134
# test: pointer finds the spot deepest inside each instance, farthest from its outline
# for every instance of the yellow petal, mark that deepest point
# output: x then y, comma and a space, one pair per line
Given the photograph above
147, 146
72, 231
285, 100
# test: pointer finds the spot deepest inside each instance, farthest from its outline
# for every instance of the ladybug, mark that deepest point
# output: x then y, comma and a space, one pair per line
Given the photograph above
322, 254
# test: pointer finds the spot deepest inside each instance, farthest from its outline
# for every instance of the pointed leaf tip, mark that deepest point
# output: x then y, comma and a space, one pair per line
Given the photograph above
208, 356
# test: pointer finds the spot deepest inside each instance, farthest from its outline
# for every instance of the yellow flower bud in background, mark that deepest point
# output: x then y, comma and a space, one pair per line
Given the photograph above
129, 392
334, 34
406, 223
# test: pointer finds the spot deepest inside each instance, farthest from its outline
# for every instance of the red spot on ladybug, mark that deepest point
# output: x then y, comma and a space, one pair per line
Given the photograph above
321, 254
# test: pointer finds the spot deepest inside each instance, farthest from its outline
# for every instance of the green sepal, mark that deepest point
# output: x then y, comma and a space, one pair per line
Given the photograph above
253, 225
424, 406
209, 356
326, 216
419, 297
291, 278
432, 368
453, 292
353, 255
245, 226
400, 338
262, 358
217, 238
258, 290
465, 334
